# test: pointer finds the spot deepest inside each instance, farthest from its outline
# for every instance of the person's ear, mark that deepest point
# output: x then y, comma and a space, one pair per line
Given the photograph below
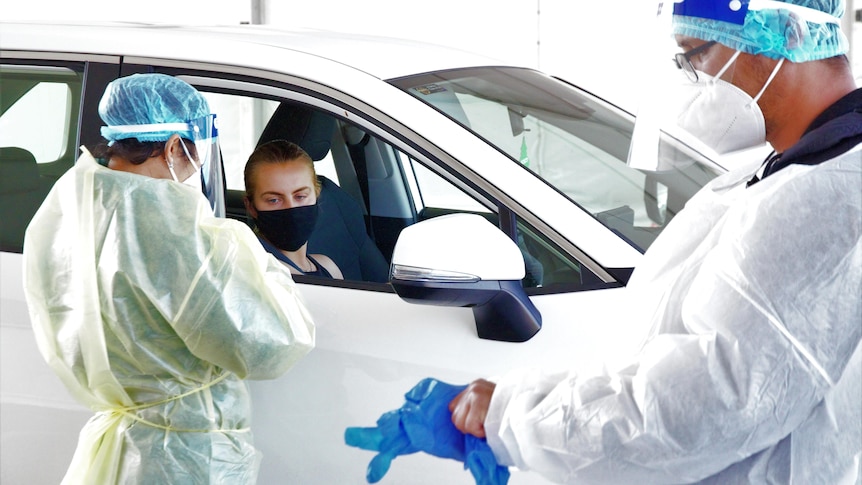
173, 151
249, 207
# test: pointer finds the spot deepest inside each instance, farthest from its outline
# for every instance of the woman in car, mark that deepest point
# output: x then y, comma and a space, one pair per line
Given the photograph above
281, 189
150, 309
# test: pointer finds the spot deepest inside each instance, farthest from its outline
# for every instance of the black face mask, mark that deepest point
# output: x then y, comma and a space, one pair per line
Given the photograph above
287, 229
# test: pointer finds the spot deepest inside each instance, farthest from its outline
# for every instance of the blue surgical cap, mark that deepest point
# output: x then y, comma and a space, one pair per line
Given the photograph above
135, 106
797, 30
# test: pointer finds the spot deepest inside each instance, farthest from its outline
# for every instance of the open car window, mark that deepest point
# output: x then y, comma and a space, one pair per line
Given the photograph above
390, 188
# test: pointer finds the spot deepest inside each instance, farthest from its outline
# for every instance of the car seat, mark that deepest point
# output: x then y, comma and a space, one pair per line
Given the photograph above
22, 191
340, 232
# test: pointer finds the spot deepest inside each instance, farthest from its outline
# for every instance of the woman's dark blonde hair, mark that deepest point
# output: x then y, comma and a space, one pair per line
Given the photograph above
273, 152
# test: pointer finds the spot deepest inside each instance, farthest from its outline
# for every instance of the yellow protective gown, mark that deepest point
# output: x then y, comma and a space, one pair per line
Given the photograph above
752, 373
152, 311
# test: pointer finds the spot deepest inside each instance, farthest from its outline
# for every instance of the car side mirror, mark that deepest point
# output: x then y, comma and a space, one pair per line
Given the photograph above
464, 260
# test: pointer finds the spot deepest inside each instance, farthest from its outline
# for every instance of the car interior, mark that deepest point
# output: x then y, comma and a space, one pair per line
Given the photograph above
376, 190
369, 174
341, 231
31, 161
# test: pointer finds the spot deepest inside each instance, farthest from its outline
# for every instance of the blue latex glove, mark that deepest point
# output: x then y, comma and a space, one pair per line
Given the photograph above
424, 423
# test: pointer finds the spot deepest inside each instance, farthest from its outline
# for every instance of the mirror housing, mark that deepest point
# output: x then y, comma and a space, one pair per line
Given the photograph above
463, 260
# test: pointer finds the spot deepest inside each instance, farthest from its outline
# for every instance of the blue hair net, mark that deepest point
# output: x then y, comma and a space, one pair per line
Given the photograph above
134, 106
766, 27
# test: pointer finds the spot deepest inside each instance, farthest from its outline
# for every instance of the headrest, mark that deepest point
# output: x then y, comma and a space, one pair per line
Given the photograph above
307, 127
18, 170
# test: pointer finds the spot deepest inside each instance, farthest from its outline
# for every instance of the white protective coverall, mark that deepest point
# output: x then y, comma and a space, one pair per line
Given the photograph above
152, 311
752, 372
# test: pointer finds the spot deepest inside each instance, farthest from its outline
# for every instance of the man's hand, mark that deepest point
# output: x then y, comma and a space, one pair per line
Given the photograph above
424, 424
470, 407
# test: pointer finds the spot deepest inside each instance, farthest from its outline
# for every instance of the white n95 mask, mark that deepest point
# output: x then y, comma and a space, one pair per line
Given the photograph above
194, 181
720, 114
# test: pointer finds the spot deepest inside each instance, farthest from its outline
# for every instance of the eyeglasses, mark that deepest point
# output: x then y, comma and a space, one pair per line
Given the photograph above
683, 59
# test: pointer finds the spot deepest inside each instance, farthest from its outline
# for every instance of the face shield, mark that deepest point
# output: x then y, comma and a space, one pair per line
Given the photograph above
684, 102
203, 132
209, 158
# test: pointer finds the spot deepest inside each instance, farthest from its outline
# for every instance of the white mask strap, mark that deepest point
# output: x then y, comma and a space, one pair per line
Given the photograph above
726, 66
768, 81
171, 168
192, 160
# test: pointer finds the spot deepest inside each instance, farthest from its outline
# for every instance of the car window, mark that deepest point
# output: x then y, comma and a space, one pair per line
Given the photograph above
246, 119
39, 111
389, 188
575, 142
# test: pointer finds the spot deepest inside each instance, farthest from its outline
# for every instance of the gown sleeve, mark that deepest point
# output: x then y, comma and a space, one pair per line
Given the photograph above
754, 333
234, 304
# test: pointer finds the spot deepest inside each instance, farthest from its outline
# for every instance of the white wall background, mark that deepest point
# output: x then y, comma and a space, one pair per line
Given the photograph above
590, 43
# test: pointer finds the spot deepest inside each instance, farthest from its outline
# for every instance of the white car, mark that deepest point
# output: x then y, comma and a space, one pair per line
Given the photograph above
531, 270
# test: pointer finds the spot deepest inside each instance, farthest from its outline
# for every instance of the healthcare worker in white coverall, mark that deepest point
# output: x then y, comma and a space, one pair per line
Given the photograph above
150, 309
752, 372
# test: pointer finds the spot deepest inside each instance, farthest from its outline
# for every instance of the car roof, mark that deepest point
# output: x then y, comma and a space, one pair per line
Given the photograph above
381, 57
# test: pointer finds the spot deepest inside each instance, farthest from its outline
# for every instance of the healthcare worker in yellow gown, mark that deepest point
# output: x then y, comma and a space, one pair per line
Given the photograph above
150, 309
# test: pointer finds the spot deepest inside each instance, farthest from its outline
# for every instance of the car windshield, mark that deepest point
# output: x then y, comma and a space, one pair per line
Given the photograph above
572, 140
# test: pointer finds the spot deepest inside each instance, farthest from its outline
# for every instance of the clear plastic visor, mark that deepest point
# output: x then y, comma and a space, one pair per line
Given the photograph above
669, 72
203, 132
209, 158
690, 91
